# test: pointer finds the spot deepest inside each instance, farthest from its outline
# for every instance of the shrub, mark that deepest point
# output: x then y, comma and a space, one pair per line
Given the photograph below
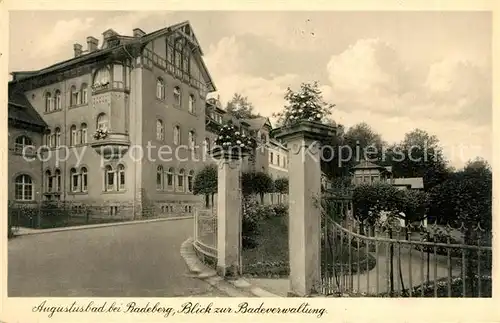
280, 210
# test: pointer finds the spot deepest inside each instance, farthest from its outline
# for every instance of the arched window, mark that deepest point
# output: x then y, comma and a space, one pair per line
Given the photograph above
102, 121
75, 181
48, 102
48, 138
192, 139
57, 181
180, 180
160, 89
84, 181
191, 103
159, 178
73, 140
84, 96
83, 136
74, 96
109, 178
48, 181
23, 188
177, 135
21, 143
58, 102
121, 177
190, 181
58, 137
177, 96
170, 177
160, 132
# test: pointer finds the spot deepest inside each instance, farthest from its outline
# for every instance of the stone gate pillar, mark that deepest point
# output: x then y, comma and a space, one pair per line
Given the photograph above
304, 172
229, 215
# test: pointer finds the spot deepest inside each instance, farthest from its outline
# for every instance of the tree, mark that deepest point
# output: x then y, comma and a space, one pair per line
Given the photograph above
306, 104
256, 183
205, 182
419, 155
281, 186
241, 108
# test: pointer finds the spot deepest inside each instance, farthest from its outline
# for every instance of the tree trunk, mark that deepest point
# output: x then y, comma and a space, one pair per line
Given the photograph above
207, 201
262, 198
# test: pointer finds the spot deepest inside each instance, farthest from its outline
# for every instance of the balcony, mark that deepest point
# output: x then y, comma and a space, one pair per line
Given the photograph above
113, 145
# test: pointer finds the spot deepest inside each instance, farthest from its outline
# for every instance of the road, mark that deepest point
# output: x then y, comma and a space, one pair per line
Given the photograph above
138, 260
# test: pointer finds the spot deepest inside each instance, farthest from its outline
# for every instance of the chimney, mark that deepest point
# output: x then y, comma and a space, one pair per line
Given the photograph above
138, 32
92, 44
78, 49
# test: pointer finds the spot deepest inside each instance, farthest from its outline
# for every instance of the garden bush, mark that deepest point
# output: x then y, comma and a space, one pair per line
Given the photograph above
280, 209
253, 214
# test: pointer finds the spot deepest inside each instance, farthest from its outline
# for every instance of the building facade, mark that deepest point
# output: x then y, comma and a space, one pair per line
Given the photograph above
126, 123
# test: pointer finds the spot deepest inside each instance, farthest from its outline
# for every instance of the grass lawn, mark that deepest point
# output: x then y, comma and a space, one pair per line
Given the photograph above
270, 257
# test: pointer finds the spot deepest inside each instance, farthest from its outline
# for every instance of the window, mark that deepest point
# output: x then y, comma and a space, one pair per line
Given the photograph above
57, 137
102, 121
48, 139
58, 103
177, 135
159, 178
109, 178
271, 156
83, 136
84, 96
177, 96
57, 180
22, 142
24, 188
170, 177
74, 180
74, 96
192, 139
83, 174
48, 102
73, 135
121, 177
278, 160
101, 78
160, 89
160, 132
191, 103
48, 181
190, 181
180, 180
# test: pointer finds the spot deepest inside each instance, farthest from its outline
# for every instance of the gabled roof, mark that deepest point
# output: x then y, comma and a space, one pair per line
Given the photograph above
413, 182
364, 164
21, 111
257, 123
123, 41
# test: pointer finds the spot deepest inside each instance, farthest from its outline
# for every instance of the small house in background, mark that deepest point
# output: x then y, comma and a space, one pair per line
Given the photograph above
367, 172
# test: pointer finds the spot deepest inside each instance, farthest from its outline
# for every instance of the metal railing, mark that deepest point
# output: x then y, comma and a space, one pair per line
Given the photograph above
205, 231
390, 259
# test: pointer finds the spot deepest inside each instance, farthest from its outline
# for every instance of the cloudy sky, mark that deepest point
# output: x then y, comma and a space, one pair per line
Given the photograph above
394, 70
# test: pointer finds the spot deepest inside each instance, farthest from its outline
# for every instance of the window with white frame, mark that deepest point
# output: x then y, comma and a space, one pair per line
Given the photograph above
23, 142
84, 179
160, 89
190, 181
160, 130
191, 107
48, 138
180, 180
58, 102
177, 96
48, 102
159, 178
73, 137
84, 95
83, 135
74, 96
177, 135
75, 180
192, 139
57, 137
109, 178
121, 177
170, 177
24, 188
102, 121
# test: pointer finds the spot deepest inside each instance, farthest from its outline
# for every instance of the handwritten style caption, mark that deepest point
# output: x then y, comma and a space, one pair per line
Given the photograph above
189, 308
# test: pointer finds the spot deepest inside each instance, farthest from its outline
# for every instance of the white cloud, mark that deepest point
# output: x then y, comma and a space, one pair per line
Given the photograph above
227, 63
63, 32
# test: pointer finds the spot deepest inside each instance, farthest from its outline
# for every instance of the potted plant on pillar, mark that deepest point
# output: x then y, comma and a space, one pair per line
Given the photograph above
232, 144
